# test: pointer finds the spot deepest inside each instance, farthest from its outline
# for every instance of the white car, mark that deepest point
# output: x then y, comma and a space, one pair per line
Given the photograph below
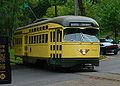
108, 46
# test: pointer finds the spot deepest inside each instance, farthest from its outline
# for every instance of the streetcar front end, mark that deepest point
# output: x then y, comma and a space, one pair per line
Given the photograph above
80, 47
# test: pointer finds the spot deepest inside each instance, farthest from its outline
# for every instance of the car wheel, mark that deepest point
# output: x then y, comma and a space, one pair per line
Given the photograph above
115, 53
103, 52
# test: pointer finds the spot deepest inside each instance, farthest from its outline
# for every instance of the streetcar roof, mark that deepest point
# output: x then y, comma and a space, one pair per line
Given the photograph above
64, 20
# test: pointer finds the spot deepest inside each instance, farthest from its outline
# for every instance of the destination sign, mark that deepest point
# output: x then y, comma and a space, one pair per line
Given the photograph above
81, 24
5, 69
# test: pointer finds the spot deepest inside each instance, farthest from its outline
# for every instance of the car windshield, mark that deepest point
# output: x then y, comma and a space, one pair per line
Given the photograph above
78, 35
106, 40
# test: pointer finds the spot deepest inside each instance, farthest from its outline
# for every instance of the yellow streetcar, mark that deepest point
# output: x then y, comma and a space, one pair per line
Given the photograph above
65, 41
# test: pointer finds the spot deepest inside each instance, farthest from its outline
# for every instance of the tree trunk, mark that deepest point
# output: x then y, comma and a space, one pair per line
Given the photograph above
81, 8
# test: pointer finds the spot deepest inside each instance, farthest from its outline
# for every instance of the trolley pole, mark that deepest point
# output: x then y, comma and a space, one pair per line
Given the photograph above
33, 13
26, 5
76, 7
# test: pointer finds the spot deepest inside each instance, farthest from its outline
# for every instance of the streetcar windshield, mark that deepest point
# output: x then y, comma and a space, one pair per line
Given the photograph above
80, 35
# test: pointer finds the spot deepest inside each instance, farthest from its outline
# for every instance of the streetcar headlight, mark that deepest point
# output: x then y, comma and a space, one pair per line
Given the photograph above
84, 51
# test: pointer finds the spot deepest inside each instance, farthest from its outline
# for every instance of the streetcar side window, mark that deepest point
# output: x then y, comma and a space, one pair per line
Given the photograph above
34, 39
26, 39
50, 36
46, 38
17, 41
60, 36
57, 35
54, 36
43, 38
31, 39
40, 38
37, 38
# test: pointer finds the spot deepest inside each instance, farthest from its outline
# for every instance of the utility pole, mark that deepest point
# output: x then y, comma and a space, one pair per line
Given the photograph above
76, 7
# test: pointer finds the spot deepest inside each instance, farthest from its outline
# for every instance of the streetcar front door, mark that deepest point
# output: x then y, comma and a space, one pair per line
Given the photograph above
55, 46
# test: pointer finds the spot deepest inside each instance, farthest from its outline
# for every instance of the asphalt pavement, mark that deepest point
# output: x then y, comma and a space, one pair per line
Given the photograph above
108, 74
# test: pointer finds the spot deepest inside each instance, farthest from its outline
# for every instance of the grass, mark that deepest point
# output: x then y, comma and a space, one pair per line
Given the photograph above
13, 61
102, 57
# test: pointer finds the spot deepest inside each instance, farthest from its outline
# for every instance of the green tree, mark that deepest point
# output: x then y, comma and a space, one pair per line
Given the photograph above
41, 8
57, 3
13, 15
67, 8
6, 19
81, 7
107, 14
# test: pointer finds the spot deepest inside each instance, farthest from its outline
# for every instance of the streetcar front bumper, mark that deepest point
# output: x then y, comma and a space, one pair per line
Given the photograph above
72, 62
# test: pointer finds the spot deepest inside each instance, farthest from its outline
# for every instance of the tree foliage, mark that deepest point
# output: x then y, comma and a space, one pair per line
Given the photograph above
13, 14
57, 2
41, 8
5, 16
107, 14
62, 9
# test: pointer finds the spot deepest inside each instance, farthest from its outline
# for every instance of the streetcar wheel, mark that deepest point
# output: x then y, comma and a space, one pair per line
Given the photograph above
103, 52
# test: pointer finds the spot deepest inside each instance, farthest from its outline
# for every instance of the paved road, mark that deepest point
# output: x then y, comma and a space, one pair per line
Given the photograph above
32, 76
111, 64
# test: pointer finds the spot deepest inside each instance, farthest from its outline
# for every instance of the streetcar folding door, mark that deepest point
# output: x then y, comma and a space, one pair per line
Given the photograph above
56, 44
